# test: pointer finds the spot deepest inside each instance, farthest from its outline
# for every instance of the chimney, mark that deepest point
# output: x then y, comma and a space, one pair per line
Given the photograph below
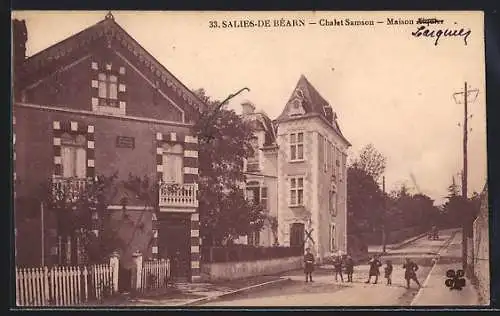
19, 39
247, 107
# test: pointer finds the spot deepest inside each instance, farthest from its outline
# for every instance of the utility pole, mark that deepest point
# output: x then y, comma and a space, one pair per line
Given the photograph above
466, 224
384, 220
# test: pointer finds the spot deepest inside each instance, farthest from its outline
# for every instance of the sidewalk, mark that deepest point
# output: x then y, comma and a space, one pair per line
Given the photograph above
185, 294
372, 249
435, 293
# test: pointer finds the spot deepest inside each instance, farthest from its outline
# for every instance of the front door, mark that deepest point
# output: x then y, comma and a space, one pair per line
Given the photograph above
174, 244
297, 235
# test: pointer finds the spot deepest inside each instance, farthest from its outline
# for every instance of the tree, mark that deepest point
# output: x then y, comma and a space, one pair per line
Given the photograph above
224, 144
371, 161
455, 209
365, 201
74, 207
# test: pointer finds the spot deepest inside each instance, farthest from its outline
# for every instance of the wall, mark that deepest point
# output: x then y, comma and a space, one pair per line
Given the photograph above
316, 185
74, 89
34, 139
395, 236
214, 272
286, 214
481, 250
133, 236
35, 160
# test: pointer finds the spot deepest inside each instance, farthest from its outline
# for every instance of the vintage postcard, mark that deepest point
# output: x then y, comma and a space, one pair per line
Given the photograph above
249, 159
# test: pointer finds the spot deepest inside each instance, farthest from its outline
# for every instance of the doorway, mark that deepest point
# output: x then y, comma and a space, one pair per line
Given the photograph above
297, 235
174, 244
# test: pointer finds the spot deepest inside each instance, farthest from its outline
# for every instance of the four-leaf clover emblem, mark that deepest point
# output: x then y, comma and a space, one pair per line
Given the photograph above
455, 279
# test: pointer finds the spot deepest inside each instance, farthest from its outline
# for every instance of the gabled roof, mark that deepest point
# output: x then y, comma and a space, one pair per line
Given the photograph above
113, 32
312, 102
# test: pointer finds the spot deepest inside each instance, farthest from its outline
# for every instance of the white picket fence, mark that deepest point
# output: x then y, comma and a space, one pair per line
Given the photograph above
63, 286
155, 274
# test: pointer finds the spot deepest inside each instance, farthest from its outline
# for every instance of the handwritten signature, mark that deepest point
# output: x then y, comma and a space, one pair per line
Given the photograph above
425, 31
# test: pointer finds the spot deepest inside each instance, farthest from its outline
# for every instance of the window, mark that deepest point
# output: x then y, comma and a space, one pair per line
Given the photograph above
333, 246
73, 156
297, 146
325, 154
254, 238
263, 198
173, 162
332, 201
296, 191
253, 162
108, 89
339, 165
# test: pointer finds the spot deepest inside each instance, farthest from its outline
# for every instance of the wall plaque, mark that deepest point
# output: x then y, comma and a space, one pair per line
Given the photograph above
125, 142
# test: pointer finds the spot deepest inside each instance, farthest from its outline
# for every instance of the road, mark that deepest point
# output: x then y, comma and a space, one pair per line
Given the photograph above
325, 291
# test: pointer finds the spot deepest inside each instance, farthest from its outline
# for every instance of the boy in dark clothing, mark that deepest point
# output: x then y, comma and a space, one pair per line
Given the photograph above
375, 264
349, 268
308, 265
410, 272
337, 264
388, 272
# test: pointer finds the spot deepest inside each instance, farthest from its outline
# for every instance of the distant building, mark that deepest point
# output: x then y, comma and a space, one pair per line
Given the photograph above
96, 103
300, 172
261, 173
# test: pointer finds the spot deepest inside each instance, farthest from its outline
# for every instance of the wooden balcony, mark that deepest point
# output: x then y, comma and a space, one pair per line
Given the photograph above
174, 195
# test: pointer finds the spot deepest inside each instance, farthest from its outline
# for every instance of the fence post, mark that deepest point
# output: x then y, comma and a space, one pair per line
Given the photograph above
114, 265
137, 270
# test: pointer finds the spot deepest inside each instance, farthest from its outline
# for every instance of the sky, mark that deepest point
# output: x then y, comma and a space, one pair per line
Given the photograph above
387, 87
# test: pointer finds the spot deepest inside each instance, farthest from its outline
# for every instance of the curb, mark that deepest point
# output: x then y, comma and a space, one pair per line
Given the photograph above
214, 297
438, 255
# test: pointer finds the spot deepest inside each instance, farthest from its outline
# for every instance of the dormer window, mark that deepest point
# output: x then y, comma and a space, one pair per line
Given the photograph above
299, 93
296, 108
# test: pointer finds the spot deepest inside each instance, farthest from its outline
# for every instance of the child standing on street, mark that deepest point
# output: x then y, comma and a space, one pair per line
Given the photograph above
337, 264
374, 264
308, 265
349, 268
388, 272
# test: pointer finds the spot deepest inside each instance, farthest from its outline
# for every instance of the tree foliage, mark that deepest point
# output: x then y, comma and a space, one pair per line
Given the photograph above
365, 200
224, 144
371, 161
371, 210
74, 206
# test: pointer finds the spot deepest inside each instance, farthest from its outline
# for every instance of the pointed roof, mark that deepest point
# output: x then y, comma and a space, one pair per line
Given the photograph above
113, 32
313, 104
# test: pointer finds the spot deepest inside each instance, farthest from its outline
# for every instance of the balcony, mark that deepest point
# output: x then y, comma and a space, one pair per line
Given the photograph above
178, 195
68, 188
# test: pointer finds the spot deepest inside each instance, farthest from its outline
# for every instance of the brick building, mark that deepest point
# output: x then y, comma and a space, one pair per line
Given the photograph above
93, 104
300, 165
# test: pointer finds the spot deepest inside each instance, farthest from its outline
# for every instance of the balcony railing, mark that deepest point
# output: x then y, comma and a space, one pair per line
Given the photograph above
178, 195
68, 188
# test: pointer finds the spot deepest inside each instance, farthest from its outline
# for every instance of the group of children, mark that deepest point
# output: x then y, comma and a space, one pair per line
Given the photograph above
347, 262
